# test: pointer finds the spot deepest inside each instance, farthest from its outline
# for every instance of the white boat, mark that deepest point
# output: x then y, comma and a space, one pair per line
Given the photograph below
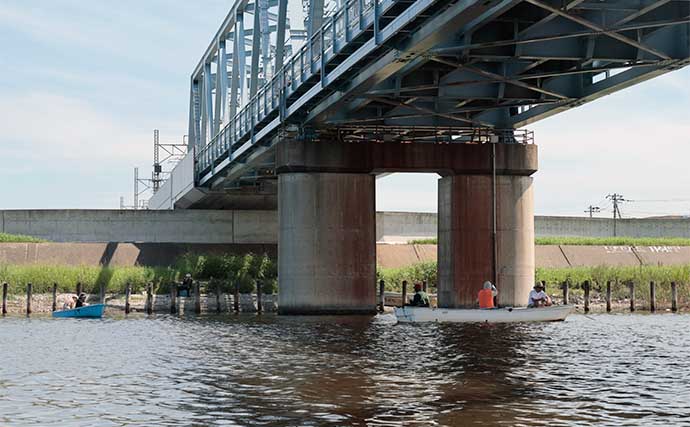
495, 315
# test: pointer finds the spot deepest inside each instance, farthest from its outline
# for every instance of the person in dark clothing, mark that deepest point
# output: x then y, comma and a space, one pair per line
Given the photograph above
81, 301
420, 299
185, 288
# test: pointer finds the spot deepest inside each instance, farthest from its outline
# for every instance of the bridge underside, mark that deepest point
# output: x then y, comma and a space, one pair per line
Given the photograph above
417, 71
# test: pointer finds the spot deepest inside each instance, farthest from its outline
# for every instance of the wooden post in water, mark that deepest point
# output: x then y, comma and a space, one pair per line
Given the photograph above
218, 294
566, 292
259, 286
79, 288
173, 298
149, 298
608, 296
586, 287
29, 288
236, 298
54, 307
382, 295
4, 299
101, 293
197, 298
404, 293
652, 297
632, 296
674, 297
128, 293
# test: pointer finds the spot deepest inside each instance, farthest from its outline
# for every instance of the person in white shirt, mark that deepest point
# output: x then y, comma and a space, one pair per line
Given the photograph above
538, 298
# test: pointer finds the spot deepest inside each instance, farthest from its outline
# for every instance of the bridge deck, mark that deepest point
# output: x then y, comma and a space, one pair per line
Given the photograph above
424, 70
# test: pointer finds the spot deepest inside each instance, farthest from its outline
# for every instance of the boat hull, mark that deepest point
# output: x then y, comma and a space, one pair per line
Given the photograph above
499, 315
90, 311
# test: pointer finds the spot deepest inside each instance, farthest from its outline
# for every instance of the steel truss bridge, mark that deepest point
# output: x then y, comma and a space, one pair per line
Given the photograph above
414, 71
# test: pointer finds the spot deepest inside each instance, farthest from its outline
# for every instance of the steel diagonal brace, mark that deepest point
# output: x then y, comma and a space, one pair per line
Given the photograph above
561, 36
497, 78
550, 17
592, 26
641, 12
428, 111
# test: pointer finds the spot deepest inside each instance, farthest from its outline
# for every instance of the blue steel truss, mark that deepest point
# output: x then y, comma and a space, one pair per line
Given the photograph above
414, 66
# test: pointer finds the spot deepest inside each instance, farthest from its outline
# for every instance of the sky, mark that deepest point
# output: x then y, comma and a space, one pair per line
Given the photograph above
83, 84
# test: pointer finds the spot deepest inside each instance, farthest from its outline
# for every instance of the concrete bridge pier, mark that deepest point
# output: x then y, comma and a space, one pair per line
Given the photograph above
326, 243
468, 254
327, 221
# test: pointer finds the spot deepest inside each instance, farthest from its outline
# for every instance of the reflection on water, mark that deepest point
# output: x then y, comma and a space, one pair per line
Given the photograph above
275, 371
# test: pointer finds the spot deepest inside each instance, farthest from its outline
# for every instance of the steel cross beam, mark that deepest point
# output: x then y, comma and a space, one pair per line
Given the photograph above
501, 79
595, 27
653, 5
560, 36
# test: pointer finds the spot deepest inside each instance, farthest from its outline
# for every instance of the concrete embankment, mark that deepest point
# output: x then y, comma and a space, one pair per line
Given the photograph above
553, 256
387, 256
117, 254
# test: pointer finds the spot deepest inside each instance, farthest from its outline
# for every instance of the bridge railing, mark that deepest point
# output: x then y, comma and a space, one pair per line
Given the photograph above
269, 103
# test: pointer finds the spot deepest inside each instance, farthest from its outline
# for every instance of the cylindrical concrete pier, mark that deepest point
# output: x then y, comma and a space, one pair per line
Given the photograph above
327, 243
515, 239
466, 237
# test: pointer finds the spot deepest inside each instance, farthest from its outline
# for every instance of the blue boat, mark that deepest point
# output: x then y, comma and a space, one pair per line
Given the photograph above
94, 311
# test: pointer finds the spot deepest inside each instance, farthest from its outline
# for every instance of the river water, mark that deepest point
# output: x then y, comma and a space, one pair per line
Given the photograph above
287, 371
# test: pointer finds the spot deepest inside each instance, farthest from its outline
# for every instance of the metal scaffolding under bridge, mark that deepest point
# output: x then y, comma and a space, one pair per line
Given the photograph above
413, 70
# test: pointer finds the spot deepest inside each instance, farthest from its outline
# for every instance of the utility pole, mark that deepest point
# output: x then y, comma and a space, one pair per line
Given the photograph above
157, 169
616, 199
592, 210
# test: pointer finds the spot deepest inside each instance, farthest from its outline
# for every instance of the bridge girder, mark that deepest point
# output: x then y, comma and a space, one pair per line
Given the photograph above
418, 63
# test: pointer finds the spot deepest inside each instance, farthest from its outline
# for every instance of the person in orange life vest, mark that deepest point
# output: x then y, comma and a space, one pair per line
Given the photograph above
487, 294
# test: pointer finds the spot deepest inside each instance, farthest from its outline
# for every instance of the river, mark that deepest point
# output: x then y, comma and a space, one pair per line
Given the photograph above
285, 371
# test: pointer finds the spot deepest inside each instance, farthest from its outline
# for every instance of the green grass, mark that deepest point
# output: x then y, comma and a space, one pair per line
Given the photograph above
18, 238
430, 241
592, 241
393, 277
215, 270
613, 241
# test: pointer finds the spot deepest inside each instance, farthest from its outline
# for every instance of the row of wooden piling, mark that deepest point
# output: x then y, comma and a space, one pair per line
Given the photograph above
382, 293
586, 286
148, 305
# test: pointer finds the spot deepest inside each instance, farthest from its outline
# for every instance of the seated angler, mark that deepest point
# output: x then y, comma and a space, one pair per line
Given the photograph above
486, 295
81, 301
420, 299
538, 298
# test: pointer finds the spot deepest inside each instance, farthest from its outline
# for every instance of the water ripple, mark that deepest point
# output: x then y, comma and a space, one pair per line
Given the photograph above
277, 371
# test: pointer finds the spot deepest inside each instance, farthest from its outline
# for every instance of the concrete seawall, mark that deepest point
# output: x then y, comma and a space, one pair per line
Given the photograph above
182, 226
261, 226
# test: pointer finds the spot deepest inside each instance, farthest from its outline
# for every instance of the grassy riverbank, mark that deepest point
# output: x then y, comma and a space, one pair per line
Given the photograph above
18, 238
591, 241
214, 271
